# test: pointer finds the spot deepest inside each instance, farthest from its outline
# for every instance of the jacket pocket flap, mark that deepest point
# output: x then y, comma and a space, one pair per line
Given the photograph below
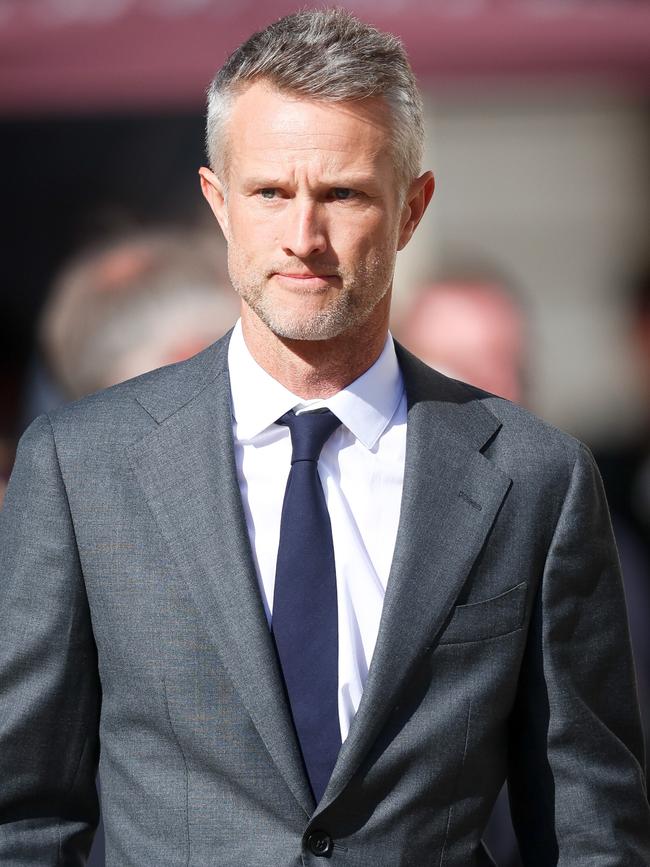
488, 618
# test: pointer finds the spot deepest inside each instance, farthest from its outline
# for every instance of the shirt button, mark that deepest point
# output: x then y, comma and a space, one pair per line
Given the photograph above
320, 843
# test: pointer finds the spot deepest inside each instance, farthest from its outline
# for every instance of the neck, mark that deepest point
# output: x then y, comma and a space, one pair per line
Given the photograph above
317, 368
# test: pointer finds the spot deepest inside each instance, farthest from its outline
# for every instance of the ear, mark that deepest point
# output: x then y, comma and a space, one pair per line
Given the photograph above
213, 190
417, 199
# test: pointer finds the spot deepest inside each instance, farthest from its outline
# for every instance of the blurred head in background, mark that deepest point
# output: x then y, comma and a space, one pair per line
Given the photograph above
469, 323
132, 305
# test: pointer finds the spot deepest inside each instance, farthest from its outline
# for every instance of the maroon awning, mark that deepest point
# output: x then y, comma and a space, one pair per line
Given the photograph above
81, 55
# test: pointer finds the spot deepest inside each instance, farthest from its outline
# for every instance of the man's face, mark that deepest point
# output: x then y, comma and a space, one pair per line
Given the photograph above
312, 215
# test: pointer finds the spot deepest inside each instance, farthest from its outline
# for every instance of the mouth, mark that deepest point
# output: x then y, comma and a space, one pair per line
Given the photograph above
305, 281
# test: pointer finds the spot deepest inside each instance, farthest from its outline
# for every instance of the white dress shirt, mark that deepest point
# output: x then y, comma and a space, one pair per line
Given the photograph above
361, 469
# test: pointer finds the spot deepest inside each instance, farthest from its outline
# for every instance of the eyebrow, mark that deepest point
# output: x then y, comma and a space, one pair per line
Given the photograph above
344, 181
263, 182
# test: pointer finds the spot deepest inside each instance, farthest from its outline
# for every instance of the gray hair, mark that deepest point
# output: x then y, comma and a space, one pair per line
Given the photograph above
328, 55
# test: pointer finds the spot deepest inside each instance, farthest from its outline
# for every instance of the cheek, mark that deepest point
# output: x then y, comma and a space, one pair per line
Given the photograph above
239, 228
376, 241
253, 236
242, 217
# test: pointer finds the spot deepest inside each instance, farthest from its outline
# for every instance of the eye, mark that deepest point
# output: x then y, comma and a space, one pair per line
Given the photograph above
342, 194
268, 192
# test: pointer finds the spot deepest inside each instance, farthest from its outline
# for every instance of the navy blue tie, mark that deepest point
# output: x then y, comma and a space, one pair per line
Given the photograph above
305, 620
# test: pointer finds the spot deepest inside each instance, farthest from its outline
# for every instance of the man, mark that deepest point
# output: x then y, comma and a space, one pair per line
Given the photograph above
348, 668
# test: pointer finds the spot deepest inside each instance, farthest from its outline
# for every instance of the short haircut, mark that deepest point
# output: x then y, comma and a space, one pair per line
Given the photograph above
327, 55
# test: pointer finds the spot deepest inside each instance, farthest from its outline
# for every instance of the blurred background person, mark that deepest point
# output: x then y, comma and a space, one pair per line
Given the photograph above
127, 306
469, 323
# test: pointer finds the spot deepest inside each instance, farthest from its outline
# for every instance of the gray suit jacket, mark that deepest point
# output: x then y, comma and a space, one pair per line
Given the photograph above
130, 619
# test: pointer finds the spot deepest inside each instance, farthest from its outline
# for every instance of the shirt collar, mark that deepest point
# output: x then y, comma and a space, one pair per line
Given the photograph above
365, 406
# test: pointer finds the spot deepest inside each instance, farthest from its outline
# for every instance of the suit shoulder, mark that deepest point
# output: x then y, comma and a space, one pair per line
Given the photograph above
521, 424
517, 439
536, 453
36, 445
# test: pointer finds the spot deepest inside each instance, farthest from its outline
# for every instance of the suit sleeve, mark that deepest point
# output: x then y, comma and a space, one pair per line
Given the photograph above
577, 788
49, 686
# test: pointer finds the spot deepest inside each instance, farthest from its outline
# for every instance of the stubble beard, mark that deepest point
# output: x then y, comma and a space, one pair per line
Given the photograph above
355, 298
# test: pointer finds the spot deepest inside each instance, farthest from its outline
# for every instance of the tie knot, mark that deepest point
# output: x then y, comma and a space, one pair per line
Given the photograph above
309, 432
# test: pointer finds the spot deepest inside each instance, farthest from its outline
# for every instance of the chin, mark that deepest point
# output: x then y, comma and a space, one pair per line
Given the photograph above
305, 329
298, 322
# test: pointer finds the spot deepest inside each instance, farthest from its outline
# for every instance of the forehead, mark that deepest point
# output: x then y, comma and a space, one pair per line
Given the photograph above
270, 126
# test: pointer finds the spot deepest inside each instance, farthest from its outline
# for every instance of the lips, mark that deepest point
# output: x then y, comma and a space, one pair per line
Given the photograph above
305, 282
304, 276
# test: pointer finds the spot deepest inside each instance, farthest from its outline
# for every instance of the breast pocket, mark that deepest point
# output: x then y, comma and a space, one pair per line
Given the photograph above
488, 618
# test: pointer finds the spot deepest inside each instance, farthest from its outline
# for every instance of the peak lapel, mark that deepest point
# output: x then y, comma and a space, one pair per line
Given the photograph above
450, 498
186, 467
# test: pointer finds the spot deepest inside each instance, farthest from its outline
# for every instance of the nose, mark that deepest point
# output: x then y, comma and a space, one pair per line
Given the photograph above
304, 230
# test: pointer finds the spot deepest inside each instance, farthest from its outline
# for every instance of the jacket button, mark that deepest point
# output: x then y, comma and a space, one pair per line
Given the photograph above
320, 843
